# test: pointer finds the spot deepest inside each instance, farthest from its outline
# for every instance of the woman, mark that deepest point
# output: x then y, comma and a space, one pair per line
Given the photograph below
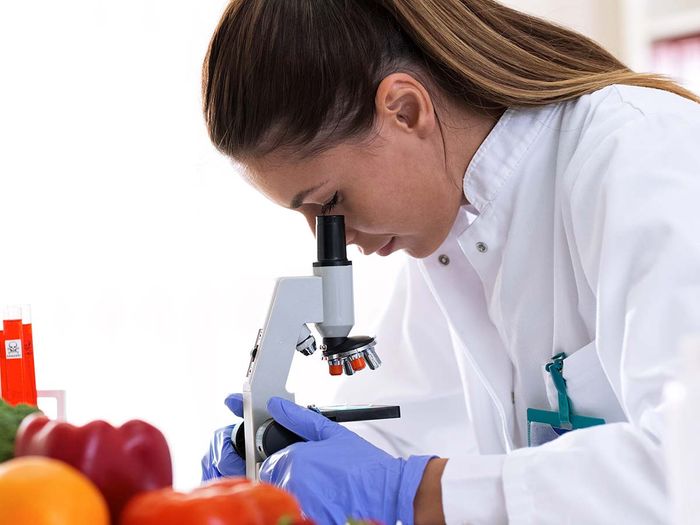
547, 194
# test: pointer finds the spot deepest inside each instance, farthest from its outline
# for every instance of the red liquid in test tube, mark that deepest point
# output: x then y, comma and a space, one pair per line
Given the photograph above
13, 387
3, 365
28, 357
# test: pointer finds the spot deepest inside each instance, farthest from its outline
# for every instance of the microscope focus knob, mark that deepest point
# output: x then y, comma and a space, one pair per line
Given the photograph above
307, 346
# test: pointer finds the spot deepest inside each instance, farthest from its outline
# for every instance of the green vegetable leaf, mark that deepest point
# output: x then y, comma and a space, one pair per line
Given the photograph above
10, 418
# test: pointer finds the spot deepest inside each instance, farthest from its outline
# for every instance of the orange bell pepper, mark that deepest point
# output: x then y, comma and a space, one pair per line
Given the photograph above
45, 491
227, 501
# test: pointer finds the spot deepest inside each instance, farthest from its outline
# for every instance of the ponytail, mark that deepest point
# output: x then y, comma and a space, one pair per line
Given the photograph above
510, 58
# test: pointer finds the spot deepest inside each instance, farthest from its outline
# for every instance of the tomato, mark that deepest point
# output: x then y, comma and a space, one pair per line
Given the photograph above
44, 491
227, 501
274, 503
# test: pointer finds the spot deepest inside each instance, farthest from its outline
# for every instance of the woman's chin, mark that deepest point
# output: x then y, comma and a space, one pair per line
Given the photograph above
421, 251
418, 253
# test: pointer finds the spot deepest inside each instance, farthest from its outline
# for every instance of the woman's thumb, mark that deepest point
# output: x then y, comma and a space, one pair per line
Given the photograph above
234, 402
304, 422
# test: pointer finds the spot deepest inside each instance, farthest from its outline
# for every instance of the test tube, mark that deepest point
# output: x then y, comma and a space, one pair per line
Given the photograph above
28, 357
13, 387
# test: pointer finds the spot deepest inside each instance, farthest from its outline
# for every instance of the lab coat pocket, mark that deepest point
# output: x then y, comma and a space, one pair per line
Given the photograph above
587, 386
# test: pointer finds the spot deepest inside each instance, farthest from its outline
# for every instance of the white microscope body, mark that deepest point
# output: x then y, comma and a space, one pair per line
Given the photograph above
326, 299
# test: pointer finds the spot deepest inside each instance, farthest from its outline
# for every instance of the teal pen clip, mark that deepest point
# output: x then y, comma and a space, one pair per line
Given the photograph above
564, 419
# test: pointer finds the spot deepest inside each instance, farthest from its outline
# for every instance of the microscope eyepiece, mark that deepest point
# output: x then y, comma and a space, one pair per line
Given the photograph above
330, 241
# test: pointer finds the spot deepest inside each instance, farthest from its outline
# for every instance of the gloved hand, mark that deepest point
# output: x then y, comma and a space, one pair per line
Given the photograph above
222, 460
336, 474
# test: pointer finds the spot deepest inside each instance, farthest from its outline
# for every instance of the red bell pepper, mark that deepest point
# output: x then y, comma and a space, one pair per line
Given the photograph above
227, 501
121, 461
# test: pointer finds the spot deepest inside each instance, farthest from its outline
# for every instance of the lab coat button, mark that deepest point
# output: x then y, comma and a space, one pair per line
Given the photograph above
481, 246
444, 259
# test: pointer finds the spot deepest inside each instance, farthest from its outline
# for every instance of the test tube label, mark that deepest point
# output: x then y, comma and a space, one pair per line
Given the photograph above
13, 349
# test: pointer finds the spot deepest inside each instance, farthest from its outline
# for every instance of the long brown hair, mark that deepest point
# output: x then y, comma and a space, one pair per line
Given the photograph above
302, 74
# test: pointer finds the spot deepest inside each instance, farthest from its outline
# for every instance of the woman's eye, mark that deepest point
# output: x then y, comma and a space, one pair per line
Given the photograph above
328, 206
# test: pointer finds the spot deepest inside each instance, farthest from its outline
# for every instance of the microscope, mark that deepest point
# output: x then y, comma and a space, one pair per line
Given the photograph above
325, 299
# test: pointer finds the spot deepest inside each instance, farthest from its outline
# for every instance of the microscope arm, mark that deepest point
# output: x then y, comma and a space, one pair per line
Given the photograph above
296, 301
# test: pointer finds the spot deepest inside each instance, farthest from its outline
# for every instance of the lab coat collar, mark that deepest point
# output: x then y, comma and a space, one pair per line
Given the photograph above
502, 152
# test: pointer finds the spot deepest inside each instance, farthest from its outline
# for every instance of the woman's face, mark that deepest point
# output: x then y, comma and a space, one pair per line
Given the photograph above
399, 191
393, 196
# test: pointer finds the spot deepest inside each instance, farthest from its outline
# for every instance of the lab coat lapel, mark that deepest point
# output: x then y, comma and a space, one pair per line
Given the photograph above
493, 187
462, 300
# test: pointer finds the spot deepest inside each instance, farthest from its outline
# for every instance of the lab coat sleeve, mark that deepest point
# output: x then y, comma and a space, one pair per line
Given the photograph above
634, 222
419, 373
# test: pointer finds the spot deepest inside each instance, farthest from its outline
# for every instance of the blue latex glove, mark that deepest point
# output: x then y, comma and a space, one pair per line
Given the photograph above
336, 474
222, 460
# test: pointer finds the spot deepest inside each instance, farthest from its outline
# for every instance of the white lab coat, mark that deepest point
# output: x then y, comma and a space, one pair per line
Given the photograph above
582, 236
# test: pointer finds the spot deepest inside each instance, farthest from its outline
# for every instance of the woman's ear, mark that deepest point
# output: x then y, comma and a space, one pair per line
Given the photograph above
404, 102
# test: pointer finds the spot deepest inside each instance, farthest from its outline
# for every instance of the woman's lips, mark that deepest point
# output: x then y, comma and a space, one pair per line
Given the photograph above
387, 248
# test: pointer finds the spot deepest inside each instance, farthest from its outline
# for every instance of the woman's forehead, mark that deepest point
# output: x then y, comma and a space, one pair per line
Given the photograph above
287, 164
287, 182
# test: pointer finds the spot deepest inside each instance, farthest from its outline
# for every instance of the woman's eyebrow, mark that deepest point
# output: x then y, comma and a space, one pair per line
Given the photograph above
298, 199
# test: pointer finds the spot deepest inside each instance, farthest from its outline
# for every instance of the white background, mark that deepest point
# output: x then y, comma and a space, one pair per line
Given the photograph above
149, 263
